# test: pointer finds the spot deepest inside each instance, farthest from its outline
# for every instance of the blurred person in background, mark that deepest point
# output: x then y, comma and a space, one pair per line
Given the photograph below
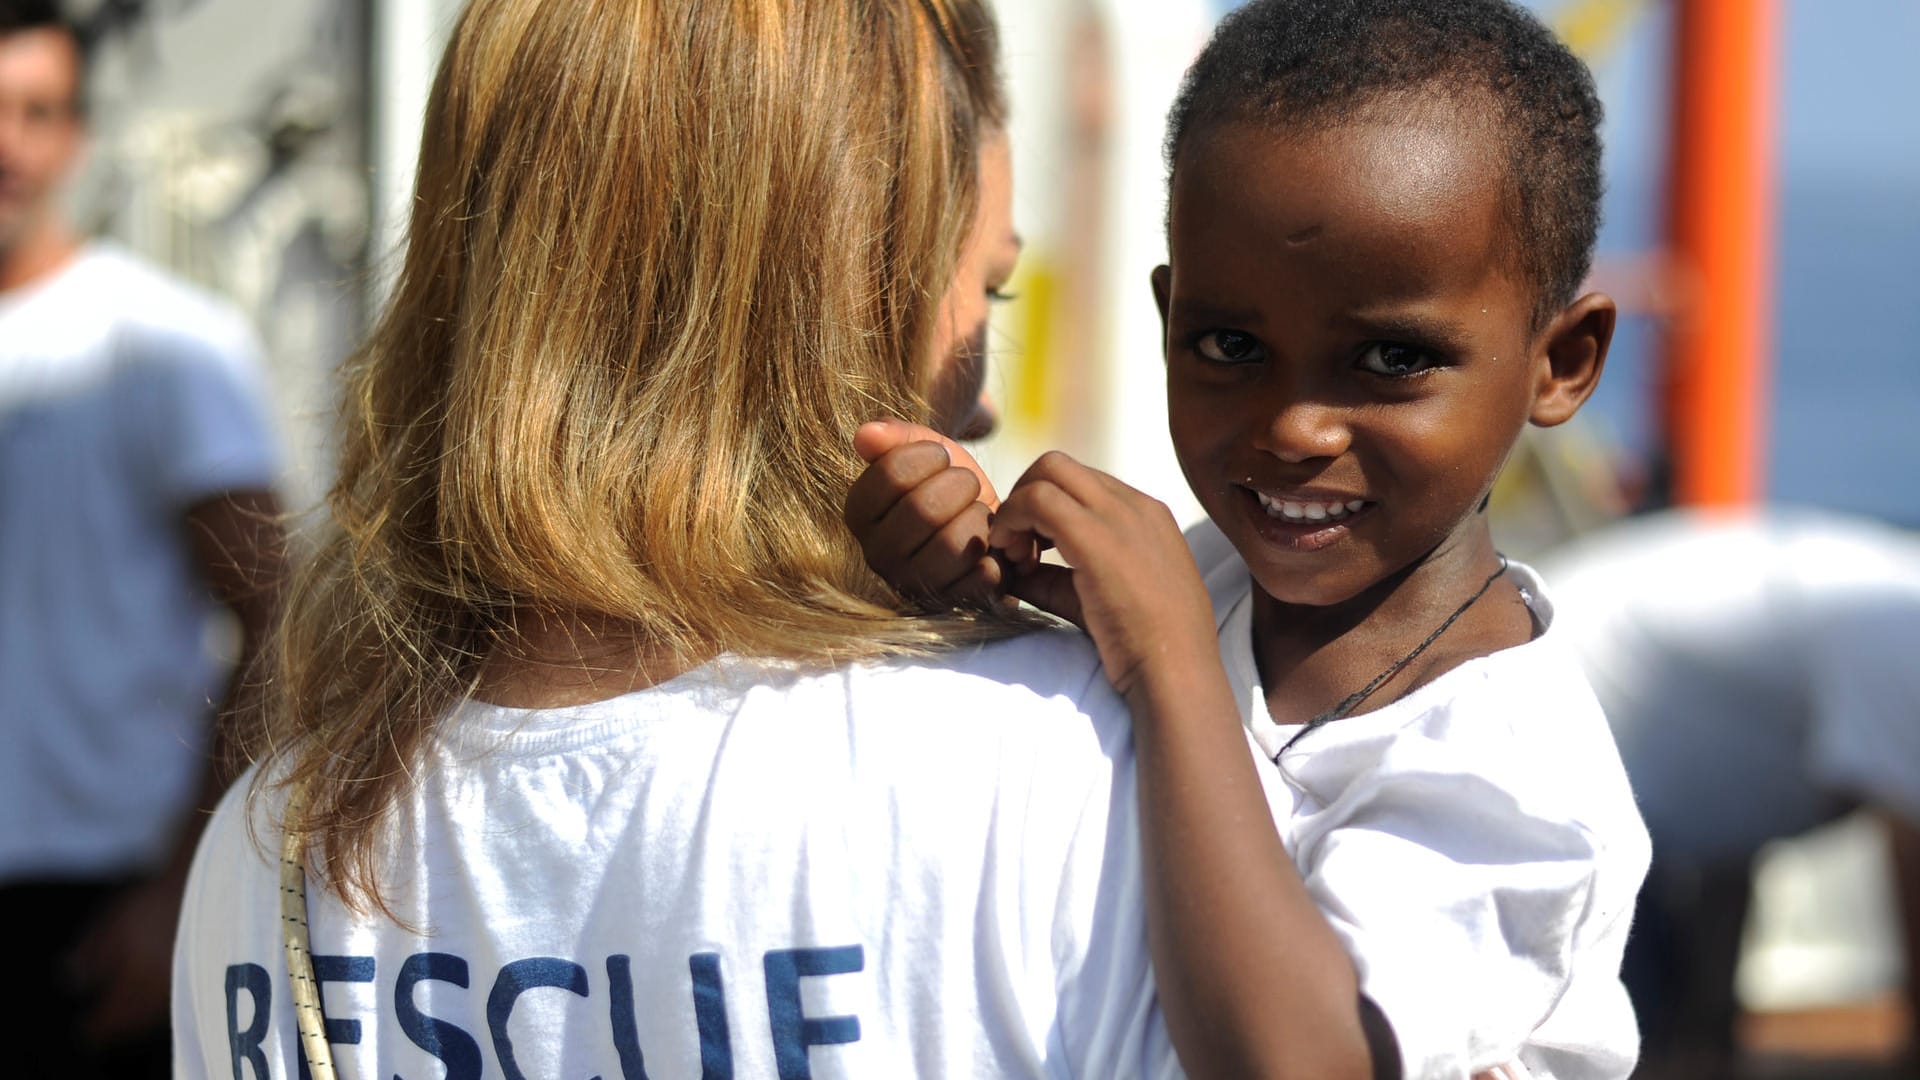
136, 468
1759, 671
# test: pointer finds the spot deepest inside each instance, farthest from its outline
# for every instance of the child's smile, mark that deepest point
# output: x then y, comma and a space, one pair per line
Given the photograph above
1348, 343
1303, 519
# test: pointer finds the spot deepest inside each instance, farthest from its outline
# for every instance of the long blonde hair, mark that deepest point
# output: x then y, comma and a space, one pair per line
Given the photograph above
665, 256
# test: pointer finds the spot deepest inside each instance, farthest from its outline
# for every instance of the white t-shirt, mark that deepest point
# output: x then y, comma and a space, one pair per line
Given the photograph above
1772, 653
125, 397
1474, 843
900, 870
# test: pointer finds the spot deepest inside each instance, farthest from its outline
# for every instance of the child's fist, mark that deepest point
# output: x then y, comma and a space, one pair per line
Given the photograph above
920, 513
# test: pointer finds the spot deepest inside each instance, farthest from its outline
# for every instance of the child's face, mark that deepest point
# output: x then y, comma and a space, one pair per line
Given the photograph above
1348, 351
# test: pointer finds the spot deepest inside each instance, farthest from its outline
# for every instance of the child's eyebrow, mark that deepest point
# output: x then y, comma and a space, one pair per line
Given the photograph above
1200, 311
1409, 325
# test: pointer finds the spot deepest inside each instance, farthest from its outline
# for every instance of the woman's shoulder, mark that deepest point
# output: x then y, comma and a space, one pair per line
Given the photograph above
1037, 693
242, 837
1049, 661
1046, 677
235, 864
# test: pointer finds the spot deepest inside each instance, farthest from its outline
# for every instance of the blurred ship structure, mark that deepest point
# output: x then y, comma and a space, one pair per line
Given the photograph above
229, 144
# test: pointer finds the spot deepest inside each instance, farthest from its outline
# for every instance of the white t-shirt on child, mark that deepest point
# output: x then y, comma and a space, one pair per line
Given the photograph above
1474, 843
899, 870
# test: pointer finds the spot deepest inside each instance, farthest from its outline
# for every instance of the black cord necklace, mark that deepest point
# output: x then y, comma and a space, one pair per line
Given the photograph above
1351, 701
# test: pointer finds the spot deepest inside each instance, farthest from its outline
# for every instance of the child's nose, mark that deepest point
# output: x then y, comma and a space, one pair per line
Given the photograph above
1304, 430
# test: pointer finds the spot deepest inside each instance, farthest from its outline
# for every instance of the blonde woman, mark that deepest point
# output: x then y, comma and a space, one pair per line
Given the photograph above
600, 751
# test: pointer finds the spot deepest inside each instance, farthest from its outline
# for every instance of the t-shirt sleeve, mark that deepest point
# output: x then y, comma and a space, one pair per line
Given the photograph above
195, 413
1461, 899
219, 999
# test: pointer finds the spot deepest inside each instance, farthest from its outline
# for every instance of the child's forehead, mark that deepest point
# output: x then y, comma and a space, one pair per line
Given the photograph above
1460, 128
1390, 212
1424, 169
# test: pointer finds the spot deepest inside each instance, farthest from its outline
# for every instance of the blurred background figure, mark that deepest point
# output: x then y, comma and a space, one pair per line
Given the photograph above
136, 476
1761, 672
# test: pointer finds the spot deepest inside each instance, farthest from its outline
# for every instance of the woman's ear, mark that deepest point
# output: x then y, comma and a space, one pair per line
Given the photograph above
1571, 353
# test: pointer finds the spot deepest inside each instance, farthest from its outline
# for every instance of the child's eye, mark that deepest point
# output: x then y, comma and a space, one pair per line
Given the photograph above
998, 295
1227, 347
1396, 361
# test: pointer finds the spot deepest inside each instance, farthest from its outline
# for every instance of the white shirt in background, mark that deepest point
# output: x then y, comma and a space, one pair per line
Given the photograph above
1756, 666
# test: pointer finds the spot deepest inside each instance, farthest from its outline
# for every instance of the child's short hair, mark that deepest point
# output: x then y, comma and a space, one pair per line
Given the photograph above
1317, 62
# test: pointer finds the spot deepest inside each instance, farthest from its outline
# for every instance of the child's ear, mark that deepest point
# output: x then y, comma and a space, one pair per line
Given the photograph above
1569, 357
1162, 289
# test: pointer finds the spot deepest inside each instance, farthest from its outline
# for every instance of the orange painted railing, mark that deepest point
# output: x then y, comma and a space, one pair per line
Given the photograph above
1721, 225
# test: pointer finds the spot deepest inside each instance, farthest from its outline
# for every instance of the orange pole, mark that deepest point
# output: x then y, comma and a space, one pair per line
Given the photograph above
1721, 226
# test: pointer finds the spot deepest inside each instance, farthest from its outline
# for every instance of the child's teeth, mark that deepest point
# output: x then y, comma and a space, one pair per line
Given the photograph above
1303, 511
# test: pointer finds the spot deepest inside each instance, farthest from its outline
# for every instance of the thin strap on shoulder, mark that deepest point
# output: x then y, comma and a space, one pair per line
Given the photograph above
307, 1013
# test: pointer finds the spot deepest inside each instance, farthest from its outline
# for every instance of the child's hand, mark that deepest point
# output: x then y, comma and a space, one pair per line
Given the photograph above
1132, 586
920, 513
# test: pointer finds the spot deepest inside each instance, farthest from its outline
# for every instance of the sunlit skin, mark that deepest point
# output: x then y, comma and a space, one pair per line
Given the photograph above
960, 406
41, 141
1346, 327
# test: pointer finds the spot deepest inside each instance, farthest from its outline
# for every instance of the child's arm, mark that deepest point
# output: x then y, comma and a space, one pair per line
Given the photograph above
1253, 981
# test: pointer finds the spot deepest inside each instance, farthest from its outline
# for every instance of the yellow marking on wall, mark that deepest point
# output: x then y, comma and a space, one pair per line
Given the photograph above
1033, 319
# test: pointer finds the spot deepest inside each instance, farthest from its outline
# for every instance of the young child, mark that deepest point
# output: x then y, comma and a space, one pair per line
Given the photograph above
1381, 213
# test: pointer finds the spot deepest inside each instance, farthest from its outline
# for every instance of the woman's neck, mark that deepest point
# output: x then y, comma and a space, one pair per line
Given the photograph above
1313, 659
558, 659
